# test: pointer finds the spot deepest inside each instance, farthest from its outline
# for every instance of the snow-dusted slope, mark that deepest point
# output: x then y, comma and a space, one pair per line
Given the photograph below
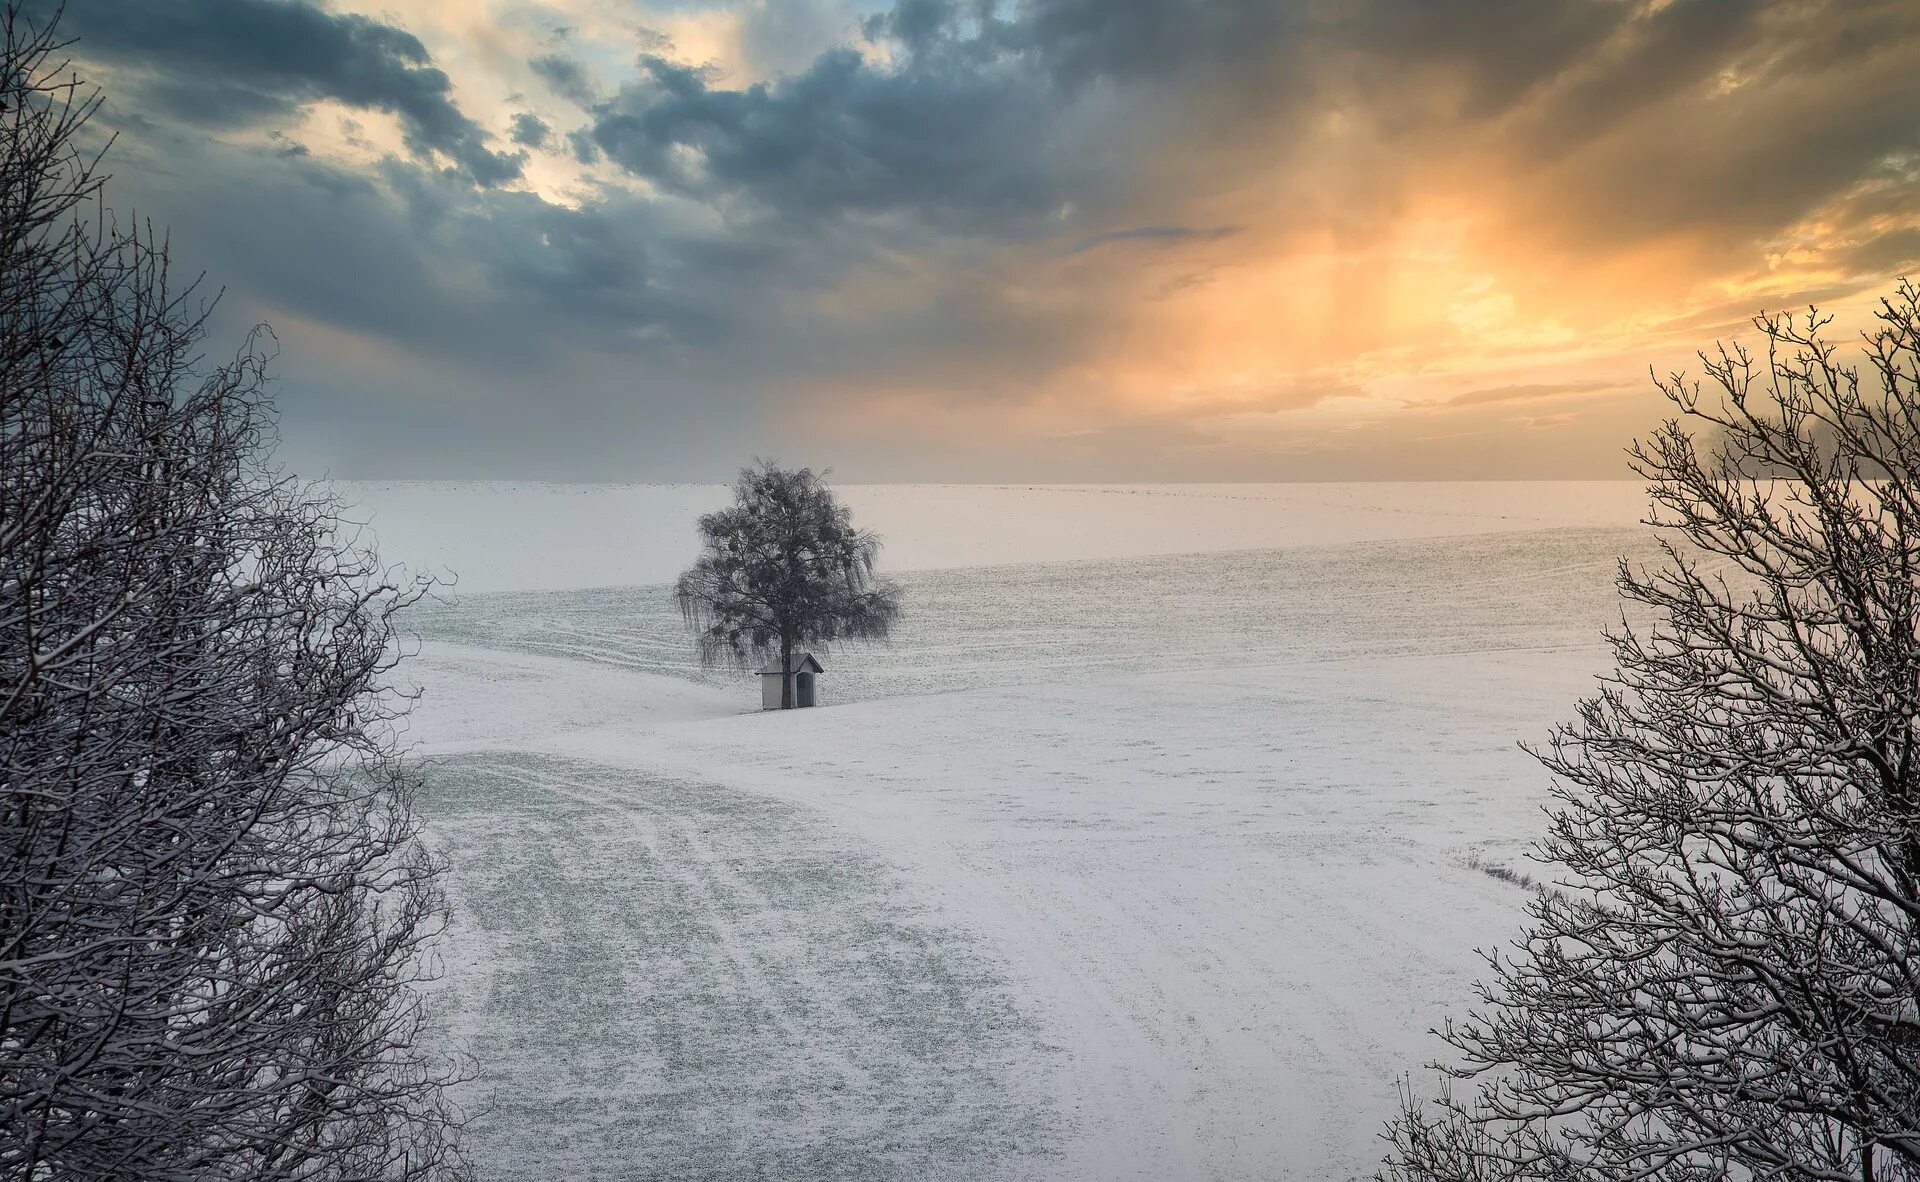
1139, 868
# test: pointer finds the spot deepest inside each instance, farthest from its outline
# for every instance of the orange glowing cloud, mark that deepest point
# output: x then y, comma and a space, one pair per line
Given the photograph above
1377, 264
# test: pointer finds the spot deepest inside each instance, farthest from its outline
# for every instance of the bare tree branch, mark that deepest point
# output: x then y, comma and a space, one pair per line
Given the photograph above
215, 915
1726, 984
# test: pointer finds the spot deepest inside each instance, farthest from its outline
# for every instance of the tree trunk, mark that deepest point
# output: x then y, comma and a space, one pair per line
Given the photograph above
786, 672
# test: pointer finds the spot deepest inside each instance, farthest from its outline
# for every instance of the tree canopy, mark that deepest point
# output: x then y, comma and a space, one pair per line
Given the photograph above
783, 567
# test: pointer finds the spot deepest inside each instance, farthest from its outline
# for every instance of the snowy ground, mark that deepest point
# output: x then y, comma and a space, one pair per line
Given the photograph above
1127, 867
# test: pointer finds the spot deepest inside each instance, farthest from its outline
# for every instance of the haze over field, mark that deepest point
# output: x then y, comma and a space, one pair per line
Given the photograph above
492, 536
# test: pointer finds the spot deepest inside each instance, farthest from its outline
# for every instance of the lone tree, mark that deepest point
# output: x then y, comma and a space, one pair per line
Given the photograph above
1727, 984
783, 567
213, 910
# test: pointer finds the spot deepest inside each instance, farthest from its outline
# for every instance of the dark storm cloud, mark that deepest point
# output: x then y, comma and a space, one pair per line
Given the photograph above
964, 128
580, 141
429, 325
228, 62
569, 78
490, 281
1652, 59
1491, 54
983, 121
951, 141
454, 275
529, 130
1761, 126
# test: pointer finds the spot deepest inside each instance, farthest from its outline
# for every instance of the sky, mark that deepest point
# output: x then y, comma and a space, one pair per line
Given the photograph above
1048, 240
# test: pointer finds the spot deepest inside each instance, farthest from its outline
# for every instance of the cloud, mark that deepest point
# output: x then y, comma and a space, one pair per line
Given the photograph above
1565, 418
569, 79
228, 62
1534, 392
1251, 230
530, 130
1895, 250
956, 144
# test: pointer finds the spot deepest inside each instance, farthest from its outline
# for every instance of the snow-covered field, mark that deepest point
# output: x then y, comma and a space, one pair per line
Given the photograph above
1145, 864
